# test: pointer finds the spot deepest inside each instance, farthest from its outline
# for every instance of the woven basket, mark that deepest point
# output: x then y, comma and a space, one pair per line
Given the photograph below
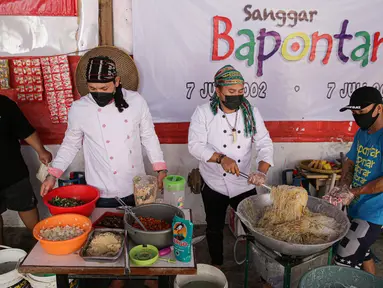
126, 68
305, 165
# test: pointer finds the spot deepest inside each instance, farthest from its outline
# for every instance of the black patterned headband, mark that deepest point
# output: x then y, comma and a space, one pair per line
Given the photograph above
101, 69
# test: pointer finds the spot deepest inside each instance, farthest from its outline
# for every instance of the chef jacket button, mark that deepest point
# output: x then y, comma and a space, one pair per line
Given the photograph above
224, 174
126, 121
130, 151
103, 125
239, 147
223, 116
111, 158
99, 109
128, 137
107, 141
239, 131
132, 166
115, 172
224, 131
239, 160
224, 145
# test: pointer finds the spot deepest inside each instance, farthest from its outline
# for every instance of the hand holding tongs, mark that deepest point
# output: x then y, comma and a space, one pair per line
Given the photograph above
129, 210
247, 177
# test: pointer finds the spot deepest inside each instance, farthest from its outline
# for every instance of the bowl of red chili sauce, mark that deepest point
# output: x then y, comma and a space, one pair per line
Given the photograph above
157, 219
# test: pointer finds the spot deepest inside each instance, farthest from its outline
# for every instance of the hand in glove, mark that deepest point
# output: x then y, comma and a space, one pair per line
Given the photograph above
339, 195
257, 178
332, 196
346, 195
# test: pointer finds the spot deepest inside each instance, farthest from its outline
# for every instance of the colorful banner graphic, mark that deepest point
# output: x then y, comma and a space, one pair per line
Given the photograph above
301, 61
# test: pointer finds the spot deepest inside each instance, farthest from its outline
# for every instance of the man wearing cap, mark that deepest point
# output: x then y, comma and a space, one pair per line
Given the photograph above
222, 135
110, 123
361, 184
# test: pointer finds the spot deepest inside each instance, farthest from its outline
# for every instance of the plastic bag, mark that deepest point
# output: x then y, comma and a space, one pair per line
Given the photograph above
145, 189
42, 173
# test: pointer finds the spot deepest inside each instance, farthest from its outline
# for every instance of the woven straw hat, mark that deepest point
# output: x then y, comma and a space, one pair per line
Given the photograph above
126, 68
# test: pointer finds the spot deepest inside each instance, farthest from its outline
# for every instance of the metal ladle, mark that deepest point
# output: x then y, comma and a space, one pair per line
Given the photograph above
129, 210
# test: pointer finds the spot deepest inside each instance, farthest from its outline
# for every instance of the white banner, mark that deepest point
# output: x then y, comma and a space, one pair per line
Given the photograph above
300, 61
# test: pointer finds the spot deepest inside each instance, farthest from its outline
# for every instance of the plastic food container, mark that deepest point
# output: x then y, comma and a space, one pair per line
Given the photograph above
144, 255
74, 178
100, 222
94, 233
174, 190
66, 246
85, 193
145, 189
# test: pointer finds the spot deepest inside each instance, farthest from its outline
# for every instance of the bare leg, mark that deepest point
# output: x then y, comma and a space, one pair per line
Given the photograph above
151, 283
117, 284
1, 230
30, 218
369, 266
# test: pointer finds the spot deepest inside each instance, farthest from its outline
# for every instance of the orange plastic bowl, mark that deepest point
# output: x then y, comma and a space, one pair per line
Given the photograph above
86, 193
67, 246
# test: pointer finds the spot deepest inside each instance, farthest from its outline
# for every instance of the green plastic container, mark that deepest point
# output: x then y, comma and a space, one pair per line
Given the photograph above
339, 277
174, 190
144, 255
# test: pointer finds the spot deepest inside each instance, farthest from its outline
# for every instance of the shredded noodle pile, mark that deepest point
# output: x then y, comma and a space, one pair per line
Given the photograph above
289, 220
104, 244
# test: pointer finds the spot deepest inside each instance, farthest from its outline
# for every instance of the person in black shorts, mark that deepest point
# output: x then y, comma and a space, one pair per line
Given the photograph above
16, 192
361, 185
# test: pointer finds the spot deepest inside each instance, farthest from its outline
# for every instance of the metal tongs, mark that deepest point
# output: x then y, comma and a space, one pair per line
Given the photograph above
129, 210
247, 177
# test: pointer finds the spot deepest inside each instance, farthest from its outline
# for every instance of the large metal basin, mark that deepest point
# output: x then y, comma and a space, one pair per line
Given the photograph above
259, 202
159, 239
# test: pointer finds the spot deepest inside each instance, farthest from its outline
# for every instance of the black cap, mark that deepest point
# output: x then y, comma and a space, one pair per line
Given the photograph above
362, 97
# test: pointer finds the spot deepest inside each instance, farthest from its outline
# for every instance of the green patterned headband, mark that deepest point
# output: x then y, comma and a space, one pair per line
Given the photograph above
227, 76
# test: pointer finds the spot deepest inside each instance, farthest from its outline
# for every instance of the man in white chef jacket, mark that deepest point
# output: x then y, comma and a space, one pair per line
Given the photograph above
111, 124
222, 135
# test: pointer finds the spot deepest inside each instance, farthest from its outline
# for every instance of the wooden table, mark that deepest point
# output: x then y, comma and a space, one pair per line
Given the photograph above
318, 180
38, 261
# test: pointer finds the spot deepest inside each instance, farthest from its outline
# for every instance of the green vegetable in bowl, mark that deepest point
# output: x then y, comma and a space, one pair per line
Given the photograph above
65, 202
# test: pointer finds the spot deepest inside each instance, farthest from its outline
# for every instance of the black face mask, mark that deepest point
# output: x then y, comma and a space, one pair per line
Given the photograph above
365, 121
102, 98
233, 102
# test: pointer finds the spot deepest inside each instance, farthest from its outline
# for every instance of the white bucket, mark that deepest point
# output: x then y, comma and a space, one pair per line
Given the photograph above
204, 273
12, 278
47, 281
42, 282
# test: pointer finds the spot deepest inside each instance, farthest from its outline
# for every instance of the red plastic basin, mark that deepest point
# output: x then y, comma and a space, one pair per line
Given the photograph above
85, 193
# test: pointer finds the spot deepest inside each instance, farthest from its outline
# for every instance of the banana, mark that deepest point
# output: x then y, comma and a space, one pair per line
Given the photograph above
320, 164
311, 164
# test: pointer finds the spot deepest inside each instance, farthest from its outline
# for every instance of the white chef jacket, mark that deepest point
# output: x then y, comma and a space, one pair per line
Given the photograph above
210, 133
112, 143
